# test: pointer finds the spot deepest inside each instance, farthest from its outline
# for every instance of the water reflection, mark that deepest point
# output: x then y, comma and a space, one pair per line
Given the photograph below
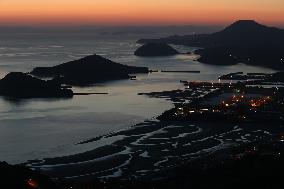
37, 128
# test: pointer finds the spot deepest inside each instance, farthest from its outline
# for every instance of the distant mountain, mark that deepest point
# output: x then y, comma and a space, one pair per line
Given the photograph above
242, 32
246, 32
155, 49
244, 41
89, 70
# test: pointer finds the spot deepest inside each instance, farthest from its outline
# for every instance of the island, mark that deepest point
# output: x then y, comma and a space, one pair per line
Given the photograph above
244, 41
21, 85
89, 70
155, 49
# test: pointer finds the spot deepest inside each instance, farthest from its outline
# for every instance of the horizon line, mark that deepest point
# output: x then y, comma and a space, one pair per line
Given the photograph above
144, 24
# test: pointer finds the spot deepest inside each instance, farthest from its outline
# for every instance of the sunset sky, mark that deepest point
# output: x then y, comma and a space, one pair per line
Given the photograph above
133, 12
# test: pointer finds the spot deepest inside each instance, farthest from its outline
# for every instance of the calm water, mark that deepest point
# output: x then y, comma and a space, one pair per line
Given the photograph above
39, 128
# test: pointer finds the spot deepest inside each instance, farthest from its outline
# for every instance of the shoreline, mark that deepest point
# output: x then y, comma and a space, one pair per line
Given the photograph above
156, 152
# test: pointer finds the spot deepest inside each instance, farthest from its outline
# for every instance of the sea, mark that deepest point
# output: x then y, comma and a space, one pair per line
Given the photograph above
33, 129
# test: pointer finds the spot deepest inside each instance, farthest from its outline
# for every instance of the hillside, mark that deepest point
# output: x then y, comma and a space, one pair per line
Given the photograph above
244, 41
89, 70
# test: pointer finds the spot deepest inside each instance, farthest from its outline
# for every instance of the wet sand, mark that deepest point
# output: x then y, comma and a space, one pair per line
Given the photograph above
156, 147
150, 148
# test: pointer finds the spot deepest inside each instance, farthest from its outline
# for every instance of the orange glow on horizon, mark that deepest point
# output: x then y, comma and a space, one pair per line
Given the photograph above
146, 12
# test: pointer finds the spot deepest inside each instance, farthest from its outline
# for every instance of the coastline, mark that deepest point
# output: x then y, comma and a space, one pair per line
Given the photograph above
164, 144
117, 155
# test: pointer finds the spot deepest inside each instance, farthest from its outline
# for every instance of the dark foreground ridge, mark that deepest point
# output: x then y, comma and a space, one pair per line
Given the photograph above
155, 49
21, 85
89, 70
244, 41
19, 177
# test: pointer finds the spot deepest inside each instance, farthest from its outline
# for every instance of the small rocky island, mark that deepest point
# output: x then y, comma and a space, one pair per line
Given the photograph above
89, 70
155, 49
21, 85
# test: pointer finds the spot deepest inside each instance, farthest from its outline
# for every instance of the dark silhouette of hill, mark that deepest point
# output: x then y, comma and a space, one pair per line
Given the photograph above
89, 70
242, 32
155, 49
21, 85
246, 32
244, 41
19, 177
